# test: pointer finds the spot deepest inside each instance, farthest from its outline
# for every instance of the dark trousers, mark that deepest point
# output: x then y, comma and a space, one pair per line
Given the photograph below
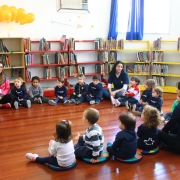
8, 98
172, 141
81, 151
80, 99
60, 100
97, 96
129, 99
50, 160
23, 102
106, 94
168, 116
44, 99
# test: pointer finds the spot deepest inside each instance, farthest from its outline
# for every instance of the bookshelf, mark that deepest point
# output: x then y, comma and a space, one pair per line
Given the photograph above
166, 64
13, 60
135, 55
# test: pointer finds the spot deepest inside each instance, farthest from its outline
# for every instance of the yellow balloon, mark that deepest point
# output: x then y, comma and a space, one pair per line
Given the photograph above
13, 12
6, 15
28, 18
0, 14
20, 14
5, 7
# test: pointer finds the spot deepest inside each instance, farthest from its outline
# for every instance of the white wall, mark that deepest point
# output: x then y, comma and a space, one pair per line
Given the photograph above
95, 24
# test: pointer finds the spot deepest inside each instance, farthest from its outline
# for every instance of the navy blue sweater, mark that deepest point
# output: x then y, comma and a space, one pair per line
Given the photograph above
81, 89
156, 102
125, 144
147, 137
94, 90
62, 91
146, 95
20, 93
120, 81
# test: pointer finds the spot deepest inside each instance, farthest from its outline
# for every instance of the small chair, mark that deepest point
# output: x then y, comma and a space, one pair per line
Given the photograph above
152, 151
102, 158
135, 159
59, 168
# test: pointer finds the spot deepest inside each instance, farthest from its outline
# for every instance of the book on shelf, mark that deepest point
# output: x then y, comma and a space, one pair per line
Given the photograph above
158, 56
98, 69
81, 70
5, 60
178, 44
143, 56
113, 44
44, 45
47, 73
112, 56
157, 44
103, 56
45, 59
28, 74
29, 59
120, 44
3, 47
160, 81
71, 44
160, 69
27, 44
73, 58
61, 58
15, 73
73, 70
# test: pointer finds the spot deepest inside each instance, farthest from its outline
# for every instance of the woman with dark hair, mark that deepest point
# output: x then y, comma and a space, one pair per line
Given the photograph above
5, 98
120, 80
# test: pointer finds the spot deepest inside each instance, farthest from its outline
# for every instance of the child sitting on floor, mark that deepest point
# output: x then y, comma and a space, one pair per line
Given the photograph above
61, 149
125, 143
80, 91
91, 144
148, 132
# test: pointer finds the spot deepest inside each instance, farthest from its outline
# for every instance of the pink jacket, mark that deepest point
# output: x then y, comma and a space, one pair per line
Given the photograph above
5, 87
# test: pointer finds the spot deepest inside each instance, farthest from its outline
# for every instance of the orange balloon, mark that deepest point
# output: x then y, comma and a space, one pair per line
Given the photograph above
13, 12
5, 7
20, 14
6, 15
0, 14
28, 18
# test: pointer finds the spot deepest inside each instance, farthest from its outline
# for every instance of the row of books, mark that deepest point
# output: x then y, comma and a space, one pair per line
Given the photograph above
44, 45
159, 69
160, 81
157, 44
47, 73
45, 59
28, 74
3, 47
116, 44
61, 58
29, 59
137, 68
143, 56
62, 71
5, 60
178, 44
158, 56
27, 44
103, 56
100, 44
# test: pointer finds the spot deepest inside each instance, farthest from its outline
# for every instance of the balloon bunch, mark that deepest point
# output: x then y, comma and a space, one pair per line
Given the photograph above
12, 14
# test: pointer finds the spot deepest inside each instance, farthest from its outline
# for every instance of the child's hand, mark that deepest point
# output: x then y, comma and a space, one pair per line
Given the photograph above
113, 94
79, 95
35, 99
77, 136
39, 98
124, 93
74, 93
94, 160
91, 95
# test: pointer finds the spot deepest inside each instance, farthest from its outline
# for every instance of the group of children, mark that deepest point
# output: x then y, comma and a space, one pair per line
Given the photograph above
152, 96
63, 152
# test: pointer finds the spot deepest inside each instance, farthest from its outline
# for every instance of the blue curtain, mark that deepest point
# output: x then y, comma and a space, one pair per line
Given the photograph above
136, 21
113, 20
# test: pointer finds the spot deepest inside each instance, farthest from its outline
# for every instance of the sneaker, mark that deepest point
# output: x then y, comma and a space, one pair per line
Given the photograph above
52, 103
117, 103
133, 107
72, 101
16, 105
66, 102
97, 101
31, 157
109, 144
138, 113
78, 102
28, 103
40, 101
113, 100
127, 105
6, 106
92, 102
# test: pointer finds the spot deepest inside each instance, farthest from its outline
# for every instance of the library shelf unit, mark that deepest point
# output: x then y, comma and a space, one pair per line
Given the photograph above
135, 54
43, 63
14, 59
165, 69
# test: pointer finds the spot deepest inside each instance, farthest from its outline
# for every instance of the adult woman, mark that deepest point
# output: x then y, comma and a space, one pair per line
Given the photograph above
120, 80
5, 98
170, 134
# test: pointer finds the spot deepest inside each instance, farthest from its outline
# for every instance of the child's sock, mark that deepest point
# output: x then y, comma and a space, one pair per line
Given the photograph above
31, 156
117, 103
66, 102
16, 105
52, 103
92, 102
134, 108
28, 103
113, 101
127, 105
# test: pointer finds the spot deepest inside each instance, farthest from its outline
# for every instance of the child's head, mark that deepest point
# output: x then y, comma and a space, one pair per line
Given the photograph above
135, 80
150, 84
81, 79
60, 82
127, 121
157, 92
151, 116
178, 85
18, 82
35, 81
91, 116
178, 95
95, 79
63, 131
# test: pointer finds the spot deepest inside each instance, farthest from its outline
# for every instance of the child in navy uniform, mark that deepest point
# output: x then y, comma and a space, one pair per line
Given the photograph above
148, 132
80, 91
60, 93
94, 91
20, 94
125, 143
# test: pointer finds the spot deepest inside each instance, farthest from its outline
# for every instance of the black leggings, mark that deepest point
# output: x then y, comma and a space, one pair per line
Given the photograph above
50, 160
8, 98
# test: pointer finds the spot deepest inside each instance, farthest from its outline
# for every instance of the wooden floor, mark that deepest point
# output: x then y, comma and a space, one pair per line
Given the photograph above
29, 130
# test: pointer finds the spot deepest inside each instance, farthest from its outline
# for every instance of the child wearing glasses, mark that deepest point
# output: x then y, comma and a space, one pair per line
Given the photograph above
61, 149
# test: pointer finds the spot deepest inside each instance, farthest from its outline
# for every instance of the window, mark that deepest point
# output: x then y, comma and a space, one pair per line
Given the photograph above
156, 15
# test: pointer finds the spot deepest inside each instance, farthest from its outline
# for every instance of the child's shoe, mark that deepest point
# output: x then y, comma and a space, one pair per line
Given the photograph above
28, 103
127, 105
134, 108
113, 101
78, 102
66, 102
52, 103
40, 101
31, 157
92, 102
97, 101
72, 101
6, 106
117, 103
16, 105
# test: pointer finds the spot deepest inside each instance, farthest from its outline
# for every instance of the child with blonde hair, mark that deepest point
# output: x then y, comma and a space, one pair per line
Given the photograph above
61, 149
148, 132
20, 94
